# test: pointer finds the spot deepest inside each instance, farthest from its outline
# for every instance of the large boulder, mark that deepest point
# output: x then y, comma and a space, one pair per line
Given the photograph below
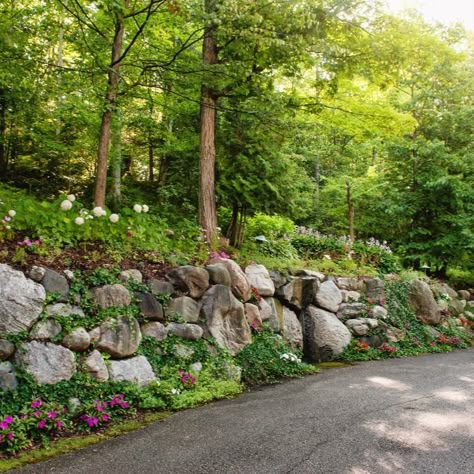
275, 321
265, 309
226, 319
48, 363
350, 284
184, 307
54, 282
21, 301
94, 364
299, 292
239, 282
150, 307
191, 332
192, 280
119, 337
64, 309
111, 295
278, 279
292, 331
329, 296
136, 370
324, 335
422, 300
252, 313
160, 287
260, 279
132, 274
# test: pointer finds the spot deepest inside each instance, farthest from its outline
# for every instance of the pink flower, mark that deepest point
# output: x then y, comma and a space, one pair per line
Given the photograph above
92, 421
28, 243
105, 417
10, 436
41, 424
37, 413
36, 403
3, 425
59, 424
51, 415
8, 419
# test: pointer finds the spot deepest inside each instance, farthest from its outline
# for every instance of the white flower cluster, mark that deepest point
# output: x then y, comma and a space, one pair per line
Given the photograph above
139, 208
372, 242
290, 357
175, 391
66, 205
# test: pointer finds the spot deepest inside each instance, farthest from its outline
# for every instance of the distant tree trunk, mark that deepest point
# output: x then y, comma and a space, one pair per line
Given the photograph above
60, 65
350, 210
235, 231
3, 134
109, 105
116, 192
207, 161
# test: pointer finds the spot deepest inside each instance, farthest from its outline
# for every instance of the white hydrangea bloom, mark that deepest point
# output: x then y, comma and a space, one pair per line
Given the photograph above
114, 218
137, 208
98, 211
66, 205
79, 220
71, 197
145, 208
12, 213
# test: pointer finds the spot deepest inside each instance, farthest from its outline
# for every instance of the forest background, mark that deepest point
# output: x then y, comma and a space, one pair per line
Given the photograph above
242, 119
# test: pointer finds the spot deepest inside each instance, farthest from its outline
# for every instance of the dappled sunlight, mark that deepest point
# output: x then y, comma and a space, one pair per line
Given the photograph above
446, 423
389, 383
453, 395
466, 379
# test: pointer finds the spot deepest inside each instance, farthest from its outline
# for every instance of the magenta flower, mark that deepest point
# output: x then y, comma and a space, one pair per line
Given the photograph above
124, 405
41, 424
105, 417
59, 424
10, 436
8, 419
51, 415
3, 425
92, 421
37, 413
36, 403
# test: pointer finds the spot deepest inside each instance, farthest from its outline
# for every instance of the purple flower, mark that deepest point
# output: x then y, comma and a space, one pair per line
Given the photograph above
41, 424
92, 421
36, 403
3, 425
59, 424
105, 417
124, 405
28, 243
51, 415
37, 413
10, 436
8, 419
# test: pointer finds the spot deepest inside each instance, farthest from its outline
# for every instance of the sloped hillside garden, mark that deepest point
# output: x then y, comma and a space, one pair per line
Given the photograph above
104, 315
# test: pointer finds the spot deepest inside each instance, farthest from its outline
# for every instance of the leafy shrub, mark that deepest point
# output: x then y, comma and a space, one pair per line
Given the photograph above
272, 227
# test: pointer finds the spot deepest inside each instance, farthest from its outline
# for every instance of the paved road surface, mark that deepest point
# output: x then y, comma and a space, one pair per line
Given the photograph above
410, 416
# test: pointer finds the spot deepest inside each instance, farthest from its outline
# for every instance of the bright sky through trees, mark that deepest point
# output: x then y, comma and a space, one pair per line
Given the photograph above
445, 11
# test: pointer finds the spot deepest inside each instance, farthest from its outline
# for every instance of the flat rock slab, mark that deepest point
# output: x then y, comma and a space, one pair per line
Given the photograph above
136, 370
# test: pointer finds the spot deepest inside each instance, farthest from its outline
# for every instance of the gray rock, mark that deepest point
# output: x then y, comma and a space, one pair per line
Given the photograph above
136, 370
69, 275
324, 335
95, 366
278, 279
78, 340
372, 341
351, 310
53, 282
48, 363
8, 379
350, 296
252, 314
464, 295
232, 372
37, 273
119, 337
131, 274
160, 288
186, 331
311, 273
194, 281
111, 295
375, 289
196, 367
329, 296
265, 310
21, 301
185, 307
239, 282
292, 331
431, 332
456, 306
219, 275
226, 319
350, 284
299, 292
394, 334
275, 321
64, 309
183, 351
94, 334
357, 327
259, 278
422, 300
378, 312
7, 349
150, 307
154, 329
74, 404
45, 330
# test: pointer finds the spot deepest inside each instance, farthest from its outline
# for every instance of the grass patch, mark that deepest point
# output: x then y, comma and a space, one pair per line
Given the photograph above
67, 445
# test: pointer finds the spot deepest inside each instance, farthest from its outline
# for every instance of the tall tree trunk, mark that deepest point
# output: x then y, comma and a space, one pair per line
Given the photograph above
60, 65
207, 161
236, 229
116, 192
3, 134
109, 105
350, 210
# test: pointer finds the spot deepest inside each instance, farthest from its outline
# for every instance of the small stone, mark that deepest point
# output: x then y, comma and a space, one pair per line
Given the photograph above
94, 334
150, 307
53, 282
119, 337
183, 307
329, 296
136, 370
259, 278
8, 379
350, 296
379, 312
375, 288
95, 366
45, 330
69, 275
74, 404
219, 275
464, 295
160, 287
186, 331
111, 295
37, 273
252, 314
239, 282
196, 367
7, 349
278, 279
193, 280
132, 274
154, 329
78, 340
351, 310
394, 334
276, 320
183, 351
64, 309
265, 310
292, 331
